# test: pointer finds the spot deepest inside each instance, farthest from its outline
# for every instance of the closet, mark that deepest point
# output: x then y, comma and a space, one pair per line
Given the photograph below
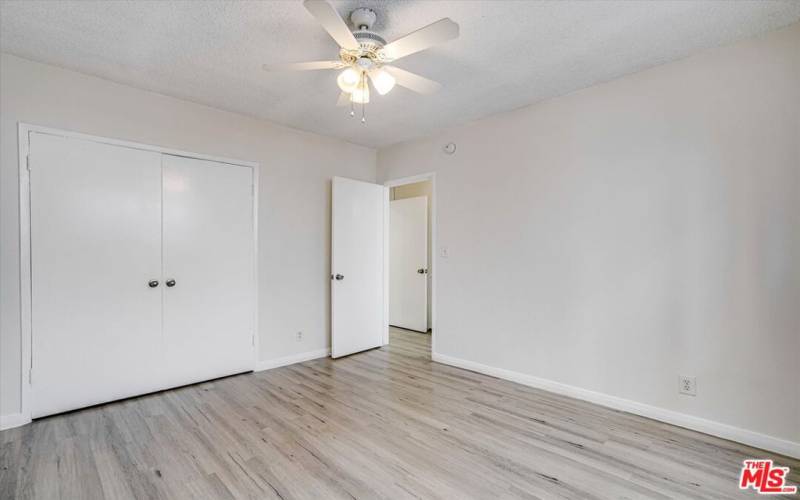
142, 271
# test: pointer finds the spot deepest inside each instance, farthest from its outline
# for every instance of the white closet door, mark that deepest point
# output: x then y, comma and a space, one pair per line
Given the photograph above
408, 255
208, 252
357, 264
95, 245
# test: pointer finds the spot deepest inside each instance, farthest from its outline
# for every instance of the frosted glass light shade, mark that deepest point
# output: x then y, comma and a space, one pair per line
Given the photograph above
360, 94
348, 80
382, 80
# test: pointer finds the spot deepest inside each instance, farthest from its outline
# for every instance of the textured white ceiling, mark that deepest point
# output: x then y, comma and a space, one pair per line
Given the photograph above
510, 53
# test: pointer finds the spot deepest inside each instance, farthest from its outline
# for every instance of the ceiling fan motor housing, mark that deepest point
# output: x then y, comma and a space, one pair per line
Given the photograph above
369, 39
363, 18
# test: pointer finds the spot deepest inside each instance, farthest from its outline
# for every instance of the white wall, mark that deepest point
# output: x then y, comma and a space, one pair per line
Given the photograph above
621, 235
294, 215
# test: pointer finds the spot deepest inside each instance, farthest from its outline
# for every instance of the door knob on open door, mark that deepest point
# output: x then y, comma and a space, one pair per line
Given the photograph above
170, 283
152, 283
422, 270
339, 277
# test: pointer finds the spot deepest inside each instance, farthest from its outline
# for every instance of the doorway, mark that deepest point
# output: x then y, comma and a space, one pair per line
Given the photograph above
361, 262
410, 261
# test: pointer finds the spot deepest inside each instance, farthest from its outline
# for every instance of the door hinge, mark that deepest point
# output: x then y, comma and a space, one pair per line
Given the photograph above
28, 162
253, 339
30, 376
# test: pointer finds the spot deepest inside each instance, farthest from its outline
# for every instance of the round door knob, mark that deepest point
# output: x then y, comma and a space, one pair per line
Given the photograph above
339, 277
152, 283
422, 270
170, 283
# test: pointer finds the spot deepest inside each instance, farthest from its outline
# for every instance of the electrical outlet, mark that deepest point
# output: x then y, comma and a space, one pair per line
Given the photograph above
687, 385
299, 336
445, 252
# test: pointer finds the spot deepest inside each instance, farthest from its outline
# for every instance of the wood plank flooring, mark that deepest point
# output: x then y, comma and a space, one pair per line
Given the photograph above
387, 423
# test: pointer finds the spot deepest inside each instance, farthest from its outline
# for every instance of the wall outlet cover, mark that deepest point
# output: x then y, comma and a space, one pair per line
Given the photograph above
687, 385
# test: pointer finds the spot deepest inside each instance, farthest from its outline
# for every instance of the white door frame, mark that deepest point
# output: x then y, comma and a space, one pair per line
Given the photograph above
24, 130
429, 176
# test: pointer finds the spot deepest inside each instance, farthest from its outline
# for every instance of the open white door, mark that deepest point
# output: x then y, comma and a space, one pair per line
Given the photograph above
408, 269
357, 266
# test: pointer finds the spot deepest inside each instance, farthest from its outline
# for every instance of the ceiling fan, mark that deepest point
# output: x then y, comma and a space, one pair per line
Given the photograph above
364, 56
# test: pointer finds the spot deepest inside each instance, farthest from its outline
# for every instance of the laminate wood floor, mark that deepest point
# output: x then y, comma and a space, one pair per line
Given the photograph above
386, 423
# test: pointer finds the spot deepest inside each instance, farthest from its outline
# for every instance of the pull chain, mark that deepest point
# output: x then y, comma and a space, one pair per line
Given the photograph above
364, 91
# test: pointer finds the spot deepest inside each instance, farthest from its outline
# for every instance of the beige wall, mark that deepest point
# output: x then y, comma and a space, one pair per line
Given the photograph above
294, 211
414, 190
614, 238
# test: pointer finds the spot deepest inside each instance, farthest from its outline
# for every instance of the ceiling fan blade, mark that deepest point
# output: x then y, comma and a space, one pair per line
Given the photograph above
413, 81
304, 66
327, 16
432, 34
344, 99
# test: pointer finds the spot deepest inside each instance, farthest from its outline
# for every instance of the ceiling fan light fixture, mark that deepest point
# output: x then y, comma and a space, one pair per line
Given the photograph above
382, 80
360, 94
363, 54
348, 80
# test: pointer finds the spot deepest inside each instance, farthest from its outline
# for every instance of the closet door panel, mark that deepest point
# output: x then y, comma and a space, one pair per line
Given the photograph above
208, 252
95, 245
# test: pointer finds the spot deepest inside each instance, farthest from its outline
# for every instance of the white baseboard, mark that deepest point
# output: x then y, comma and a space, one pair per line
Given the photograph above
268, 364
13, 420
744, 436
